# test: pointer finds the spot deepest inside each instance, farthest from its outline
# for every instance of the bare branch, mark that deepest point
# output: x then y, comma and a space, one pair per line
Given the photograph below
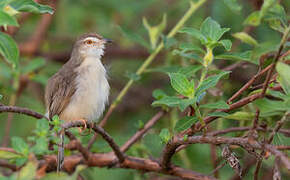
170, 148
21, 110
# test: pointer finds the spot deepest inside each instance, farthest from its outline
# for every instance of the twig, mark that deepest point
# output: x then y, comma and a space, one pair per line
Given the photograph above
197, 127
256, 120
6, 164
214, 160
249, 83
218, 167
84, 151
142, 131
236, 129
21, 110
269, 141
243, 142
100, 131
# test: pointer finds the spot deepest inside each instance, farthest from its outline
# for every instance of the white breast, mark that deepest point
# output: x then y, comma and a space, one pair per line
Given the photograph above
92, 91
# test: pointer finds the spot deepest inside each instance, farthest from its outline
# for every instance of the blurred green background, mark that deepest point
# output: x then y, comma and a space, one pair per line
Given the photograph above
121, 21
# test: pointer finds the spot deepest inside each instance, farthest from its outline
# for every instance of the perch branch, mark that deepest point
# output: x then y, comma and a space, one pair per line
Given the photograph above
100, 131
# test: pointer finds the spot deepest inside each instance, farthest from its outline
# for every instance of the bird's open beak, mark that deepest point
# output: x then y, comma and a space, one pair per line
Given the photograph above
107, 40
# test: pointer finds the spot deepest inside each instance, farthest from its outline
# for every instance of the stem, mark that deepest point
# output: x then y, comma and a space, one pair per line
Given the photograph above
147, 62
198, 114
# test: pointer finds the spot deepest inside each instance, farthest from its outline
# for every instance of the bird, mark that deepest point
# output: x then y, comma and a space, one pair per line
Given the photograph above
80, 89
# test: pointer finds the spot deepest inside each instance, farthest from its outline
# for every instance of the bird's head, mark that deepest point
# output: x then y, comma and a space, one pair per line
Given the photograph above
90, 45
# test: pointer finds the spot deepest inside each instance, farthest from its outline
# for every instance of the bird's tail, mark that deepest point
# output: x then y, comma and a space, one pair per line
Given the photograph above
60, 152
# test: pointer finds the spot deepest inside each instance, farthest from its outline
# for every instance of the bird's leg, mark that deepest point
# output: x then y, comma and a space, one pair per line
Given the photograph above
81, 129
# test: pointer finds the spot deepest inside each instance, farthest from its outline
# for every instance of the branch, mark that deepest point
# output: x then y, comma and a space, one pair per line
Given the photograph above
142, 131
197, 127
6, 164
243, 142
100, 131
249, 83
269, 141
21, 110
104, 160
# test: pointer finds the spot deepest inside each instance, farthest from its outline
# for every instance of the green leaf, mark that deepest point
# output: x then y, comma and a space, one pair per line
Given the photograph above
284, 76
33, 65
159, 94
216, 105
278, 13
212, 30
191, 47
244, 56
185, 123
19, 145
42, 127
266, 6
210, 82
184, 103
7, 20
244, 37
240, 115
1, 96
171, 101
21, 161
253, 19
226, 43
30, 6
165, 135
8, 155
233, 5
41, 146
9, 49
181, 84
155, 31
195, 33
28, 172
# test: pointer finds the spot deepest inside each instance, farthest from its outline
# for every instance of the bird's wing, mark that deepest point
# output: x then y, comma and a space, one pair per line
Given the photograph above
59, 90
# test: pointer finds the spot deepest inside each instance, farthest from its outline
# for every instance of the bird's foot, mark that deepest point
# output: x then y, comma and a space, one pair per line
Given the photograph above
82, 129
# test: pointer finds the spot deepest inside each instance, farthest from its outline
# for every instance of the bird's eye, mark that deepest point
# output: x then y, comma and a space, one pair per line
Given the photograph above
89, 42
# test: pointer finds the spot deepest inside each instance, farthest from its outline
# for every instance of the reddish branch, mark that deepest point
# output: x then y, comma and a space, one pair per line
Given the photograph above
21, 110
269, 141
242, 142
249, 83
102, 132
